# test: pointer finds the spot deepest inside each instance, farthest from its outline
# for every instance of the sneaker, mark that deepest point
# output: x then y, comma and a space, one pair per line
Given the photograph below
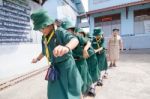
114, 65
111, 65
100, 82
92, 92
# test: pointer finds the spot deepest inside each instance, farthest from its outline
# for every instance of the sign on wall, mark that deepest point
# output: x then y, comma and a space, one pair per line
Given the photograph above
15, 22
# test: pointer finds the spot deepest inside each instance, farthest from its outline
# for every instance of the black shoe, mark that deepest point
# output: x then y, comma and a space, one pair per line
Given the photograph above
111, 65
105, 76
114, 65
92, 92
100, 83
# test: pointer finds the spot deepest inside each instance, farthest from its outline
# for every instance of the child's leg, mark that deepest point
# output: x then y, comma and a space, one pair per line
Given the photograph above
114, 63
105, 76
81, 97
92, 90
111, 63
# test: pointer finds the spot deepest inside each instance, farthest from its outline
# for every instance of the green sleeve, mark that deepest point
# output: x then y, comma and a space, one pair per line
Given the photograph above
64, 35
82, 40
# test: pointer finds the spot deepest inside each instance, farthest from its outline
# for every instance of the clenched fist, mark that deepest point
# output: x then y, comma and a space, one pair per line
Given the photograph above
60, 50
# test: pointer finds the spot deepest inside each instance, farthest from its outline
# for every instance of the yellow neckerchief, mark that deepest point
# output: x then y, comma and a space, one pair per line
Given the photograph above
97, 42
46, 42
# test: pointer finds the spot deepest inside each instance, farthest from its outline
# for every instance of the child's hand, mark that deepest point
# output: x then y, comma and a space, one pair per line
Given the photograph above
34, 60
85, 54
60, 50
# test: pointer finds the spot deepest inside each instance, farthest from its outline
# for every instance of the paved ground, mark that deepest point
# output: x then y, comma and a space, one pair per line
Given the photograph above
130, 80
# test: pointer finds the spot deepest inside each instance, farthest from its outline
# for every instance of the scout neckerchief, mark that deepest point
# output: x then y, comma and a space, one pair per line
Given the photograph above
46, 42
97, 42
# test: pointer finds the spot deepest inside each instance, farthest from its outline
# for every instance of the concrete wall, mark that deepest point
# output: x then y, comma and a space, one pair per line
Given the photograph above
131, 40
99, 4
16, 58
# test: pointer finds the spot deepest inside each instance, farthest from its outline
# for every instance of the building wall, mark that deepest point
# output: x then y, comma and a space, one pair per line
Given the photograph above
131, 40
99, 4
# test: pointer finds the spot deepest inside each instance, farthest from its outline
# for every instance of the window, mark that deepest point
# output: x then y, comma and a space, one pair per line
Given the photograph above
108, 23
142, 21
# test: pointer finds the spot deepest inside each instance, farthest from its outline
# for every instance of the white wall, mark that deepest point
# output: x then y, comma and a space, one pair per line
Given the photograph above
137, 42
16, 59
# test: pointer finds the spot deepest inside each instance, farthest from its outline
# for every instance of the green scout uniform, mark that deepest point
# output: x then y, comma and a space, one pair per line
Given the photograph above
69, 83
101, 56
93, 65
79, 59
82, 64
92, 62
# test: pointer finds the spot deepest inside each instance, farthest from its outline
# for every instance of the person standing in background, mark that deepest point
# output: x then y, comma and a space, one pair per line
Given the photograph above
114, 46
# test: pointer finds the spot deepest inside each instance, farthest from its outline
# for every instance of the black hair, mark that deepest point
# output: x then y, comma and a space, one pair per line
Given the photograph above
73, 29
83, 33
115, 30
58, 22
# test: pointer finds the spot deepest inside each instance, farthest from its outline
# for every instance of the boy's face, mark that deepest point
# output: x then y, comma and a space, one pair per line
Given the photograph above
45, 31
115, 33
81, 33
70, 30
99, 36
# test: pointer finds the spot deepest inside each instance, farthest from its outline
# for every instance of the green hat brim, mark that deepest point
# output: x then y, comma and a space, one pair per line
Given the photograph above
98, 32
43, 25
41, 20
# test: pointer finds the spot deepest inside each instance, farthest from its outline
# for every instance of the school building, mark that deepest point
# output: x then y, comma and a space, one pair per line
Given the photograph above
132, 17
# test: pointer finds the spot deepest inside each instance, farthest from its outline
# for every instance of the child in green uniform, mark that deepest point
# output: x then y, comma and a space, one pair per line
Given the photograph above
64, 80
78, 55
92, 65
98, 45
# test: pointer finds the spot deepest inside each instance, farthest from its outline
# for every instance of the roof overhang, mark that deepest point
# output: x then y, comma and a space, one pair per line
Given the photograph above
115, 7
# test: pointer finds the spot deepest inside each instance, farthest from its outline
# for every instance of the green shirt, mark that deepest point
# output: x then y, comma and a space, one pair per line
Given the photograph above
78, 51
61, 37
100, 42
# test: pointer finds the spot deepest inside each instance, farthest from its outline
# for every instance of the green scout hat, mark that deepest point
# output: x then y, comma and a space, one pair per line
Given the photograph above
80, 30
67, 24
41, 19
97, 31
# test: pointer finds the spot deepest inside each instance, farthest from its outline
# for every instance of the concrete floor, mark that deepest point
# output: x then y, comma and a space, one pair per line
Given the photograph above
129, 80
